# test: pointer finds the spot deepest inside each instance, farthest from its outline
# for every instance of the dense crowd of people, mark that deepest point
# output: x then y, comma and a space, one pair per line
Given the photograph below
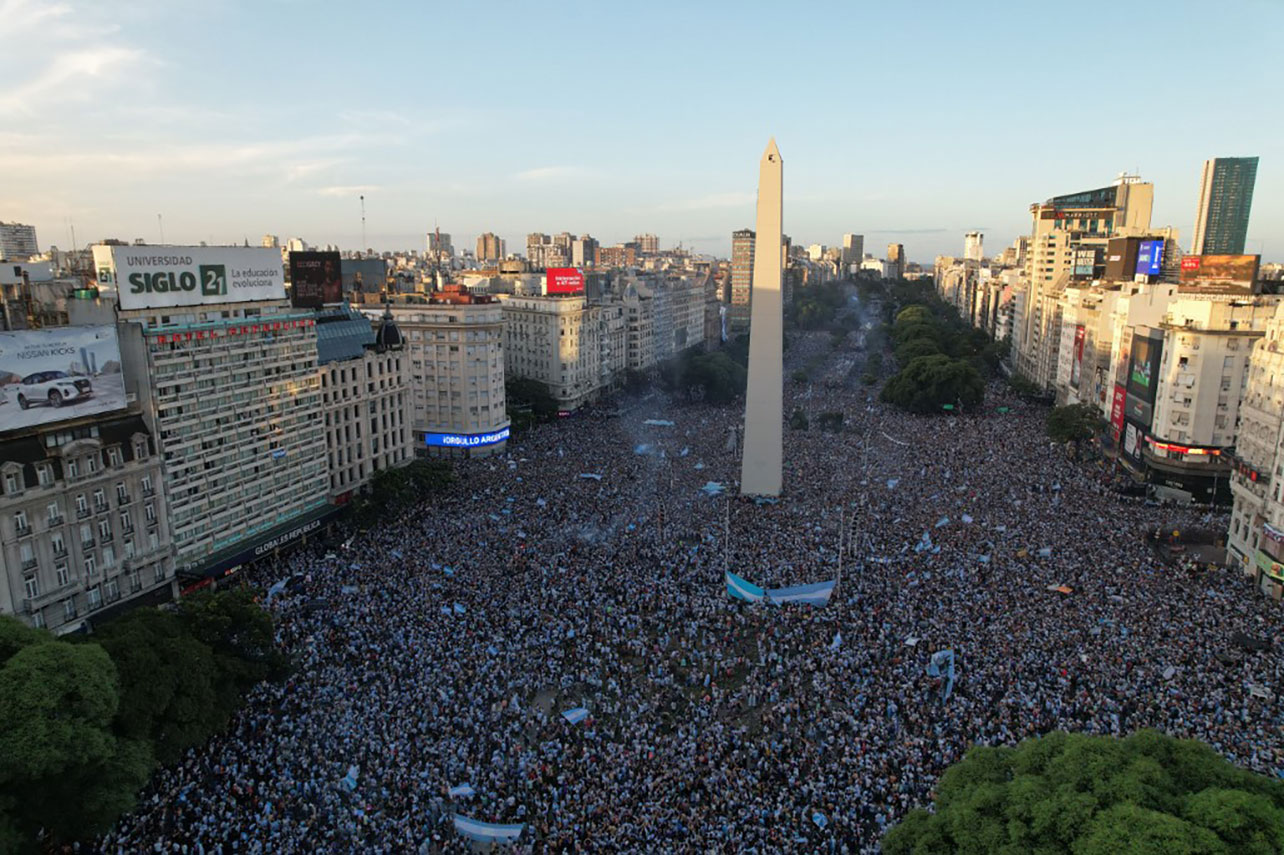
440, 649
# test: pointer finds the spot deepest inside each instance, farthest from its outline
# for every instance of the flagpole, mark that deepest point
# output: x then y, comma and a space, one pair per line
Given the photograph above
841, 530
726, 539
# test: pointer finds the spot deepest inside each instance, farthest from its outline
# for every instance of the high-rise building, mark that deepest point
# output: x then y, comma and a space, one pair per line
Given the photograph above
1225, 197
584, 252
1065, 229
648, 244
227, 372
489, 248
896, 258
270, 242
456, 353
972, 246
18, 242
853, 250
439, 245
742, 253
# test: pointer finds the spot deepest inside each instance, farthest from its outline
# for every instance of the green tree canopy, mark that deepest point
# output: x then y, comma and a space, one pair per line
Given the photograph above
1073, 422
1089, 795
929, 382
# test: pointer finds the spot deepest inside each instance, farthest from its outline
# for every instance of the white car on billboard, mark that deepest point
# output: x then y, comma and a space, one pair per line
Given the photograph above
53, 388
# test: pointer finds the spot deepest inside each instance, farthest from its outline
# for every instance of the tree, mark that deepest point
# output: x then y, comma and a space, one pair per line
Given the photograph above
928, 383
521, 391
239, 633
721, 377
167, 682
1073, 423
798, 421
1090, 795
62, 769
831, 421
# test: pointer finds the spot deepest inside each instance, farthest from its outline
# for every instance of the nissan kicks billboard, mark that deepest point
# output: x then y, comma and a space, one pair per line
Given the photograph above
158, 277
53, 374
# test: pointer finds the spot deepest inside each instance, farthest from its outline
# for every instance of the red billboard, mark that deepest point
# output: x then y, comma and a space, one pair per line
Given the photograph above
564, 280
1117, 405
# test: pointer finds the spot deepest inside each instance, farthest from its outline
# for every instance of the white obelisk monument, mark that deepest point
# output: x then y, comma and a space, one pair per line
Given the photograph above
760, 467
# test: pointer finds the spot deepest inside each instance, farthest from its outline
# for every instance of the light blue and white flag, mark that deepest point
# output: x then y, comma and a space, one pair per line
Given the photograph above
819, 819
943, 521
276, 588
967, 518
739, 589
924, 543
350, 780
575, 715
462, 791
459, 609
815, 594
487, 832
590, 475
837, 642
942, 665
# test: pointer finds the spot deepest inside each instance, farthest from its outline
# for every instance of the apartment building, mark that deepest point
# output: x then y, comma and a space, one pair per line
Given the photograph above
555, 340
454, 347
365, 398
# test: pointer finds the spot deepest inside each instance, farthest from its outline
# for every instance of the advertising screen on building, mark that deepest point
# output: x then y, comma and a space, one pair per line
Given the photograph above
1076, 364
1143, 367
157, 277
315, 279
53, 374
1117, 405
1134, 441
465, 440
564, 280
1150, 258
1085, 262
1228, 269
367, 275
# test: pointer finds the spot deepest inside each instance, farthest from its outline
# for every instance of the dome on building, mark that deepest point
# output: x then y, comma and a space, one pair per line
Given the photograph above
388, 336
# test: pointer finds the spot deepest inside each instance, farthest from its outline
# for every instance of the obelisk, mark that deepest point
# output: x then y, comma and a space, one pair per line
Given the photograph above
760, 466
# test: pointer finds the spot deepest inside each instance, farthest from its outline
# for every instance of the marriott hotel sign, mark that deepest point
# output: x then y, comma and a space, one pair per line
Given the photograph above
156, 277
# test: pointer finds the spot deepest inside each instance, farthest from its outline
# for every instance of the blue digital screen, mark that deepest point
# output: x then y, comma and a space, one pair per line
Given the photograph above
464, 440
1150, 255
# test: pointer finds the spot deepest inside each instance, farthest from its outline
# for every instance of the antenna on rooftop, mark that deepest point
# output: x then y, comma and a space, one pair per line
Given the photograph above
160, 222
363, 224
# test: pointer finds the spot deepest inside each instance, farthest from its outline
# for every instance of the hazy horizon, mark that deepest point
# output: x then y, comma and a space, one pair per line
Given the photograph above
275, 117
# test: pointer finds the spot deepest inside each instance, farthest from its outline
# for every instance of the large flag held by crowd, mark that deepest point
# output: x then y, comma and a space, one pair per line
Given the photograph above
487, 832
816, 594
942, 665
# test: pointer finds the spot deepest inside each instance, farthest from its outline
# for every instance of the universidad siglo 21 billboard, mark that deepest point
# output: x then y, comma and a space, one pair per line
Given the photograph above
157, 277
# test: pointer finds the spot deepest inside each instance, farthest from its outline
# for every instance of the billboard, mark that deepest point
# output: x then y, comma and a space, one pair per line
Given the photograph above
1150, 258
1134, 442
1143, 377
1233, 269
1085, 262
1117, 406
157, 277
367, 275
58, 373
465, 440
315, 279
564, 280
1076, 363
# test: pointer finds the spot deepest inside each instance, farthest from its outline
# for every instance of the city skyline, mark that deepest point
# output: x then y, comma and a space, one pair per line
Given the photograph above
112, 122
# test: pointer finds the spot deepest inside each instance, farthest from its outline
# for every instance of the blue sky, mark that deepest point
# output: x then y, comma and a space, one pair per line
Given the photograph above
909, 122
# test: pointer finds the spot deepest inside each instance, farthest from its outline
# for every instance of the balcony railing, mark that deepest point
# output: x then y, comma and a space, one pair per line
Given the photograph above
29, 563
23, 529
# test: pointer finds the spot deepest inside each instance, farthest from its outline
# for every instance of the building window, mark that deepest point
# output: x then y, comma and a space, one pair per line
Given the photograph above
104, 530
58, 545
113, 456
73, 469
126, 522
44, 475
82, 505
92, 460
109, 557
10, 483
140, 450
150, 510
120, 492
54, 515
69, 608
31, 586
95, 597
62, 574
113, 589
20, 522
100, 499
91, 566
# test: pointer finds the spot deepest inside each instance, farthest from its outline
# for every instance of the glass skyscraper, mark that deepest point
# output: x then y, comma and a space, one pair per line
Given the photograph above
1225, 197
